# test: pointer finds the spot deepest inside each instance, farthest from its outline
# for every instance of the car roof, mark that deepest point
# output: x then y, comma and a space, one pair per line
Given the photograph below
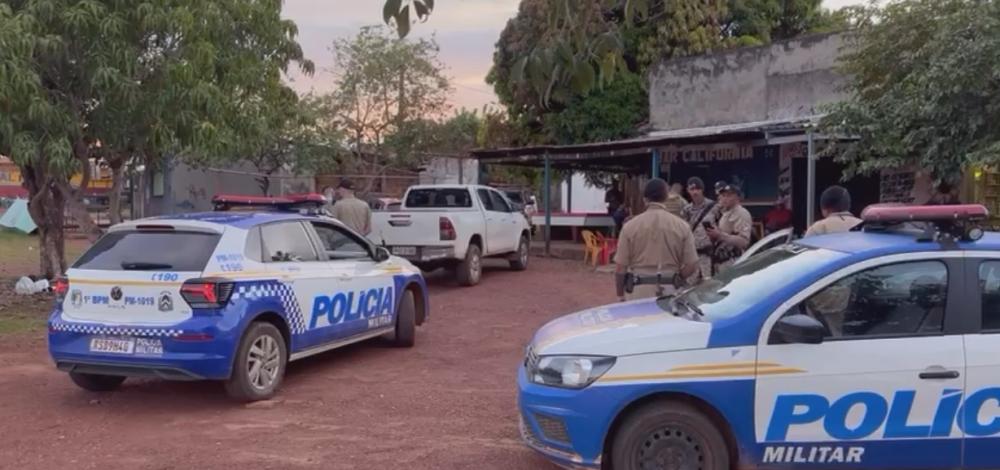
243, 220
870, 244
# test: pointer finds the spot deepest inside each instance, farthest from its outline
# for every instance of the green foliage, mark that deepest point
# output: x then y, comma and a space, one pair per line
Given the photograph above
130, 80
401, 14
609, 113
282, 133
923, 88
541, 75
385, 87
143, 78
683, 28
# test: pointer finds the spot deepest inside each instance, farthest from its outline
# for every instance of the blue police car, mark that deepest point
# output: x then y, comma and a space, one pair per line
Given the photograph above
229, 296
872, 349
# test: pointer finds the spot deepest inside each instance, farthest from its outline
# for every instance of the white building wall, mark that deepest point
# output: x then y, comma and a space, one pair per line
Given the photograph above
586, 198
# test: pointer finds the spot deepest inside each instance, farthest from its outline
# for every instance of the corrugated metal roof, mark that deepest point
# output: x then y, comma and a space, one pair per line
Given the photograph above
646, 144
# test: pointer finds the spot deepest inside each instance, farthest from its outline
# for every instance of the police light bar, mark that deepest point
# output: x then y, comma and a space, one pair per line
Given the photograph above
947, 222
291, 202
889, 214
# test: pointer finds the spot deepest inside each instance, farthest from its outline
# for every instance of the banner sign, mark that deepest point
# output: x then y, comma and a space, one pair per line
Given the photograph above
709, 153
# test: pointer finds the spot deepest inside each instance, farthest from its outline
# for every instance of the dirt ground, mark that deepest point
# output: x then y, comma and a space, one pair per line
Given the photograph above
449, 403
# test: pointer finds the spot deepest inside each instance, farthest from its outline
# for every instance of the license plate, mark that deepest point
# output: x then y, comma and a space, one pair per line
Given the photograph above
404, 250
113, 345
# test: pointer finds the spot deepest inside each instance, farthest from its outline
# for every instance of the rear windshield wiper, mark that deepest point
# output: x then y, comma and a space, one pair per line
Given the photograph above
144, 266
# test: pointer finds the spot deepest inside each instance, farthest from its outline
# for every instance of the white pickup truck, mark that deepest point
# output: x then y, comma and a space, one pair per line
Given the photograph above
454, 226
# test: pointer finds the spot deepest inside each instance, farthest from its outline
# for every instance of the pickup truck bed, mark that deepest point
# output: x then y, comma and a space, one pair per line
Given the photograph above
454, 226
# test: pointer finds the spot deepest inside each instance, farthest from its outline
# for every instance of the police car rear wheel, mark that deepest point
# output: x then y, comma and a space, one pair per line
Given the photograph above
96, 383
668, 435
260, 364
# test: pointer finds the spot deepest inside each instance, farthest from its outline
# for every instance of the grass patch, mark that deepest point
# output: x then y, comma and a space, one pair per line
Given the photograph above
19, 255
17, 323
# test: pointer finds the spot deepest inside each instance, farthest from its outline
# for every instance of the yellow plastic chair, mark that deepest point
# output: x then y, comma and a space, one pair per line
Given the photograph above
592, 248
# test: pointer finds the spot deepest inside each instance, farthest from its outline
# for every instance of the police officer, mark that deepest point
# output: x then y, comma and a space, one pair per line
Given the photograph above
835, 203
353, 212
700, 209
732, 235
654, 242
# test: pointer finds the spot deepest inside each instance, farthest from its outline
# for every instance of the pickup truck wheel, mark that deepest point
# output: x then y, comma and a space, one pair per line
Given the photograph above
519, 260
470, 270
668, 434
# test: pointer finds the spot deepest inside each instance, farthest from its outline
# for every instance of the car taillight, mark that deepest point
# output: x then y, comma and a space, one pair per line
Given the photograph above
207, 293
447, 229
60, 286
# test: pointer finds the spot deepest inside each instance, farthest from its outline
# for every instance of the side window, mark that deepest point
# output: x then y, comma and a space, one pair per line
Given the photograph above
896, 299
252, 250
287, 241
989, 284
338, 243
484, 198
499, 202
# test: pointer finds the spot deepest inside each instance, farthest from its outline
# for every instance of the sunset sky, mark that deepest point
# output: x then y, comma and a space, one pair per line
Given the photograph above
465, 29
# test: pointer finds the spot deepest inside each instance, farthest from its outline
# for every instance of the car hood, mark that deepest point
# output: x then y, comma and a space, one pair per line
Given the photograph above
635, 327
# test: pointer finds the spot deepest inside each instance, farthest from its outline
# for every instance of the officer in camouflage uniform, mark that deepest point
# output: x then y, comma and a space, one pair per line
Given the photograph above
732, 234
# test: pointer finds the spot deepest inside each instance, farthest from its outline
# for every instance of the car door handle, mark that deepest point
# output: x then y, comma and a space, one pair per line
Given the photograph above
939, 374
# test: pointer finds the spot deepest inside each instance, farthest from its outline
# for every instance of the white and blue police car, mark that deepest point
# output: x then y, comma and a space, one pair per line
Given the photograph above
876, 349
229, 296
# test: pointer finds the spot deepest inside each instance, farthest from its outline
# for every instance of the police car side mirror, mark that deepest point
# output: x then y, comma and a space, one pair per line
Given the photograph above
797, 328
381, 254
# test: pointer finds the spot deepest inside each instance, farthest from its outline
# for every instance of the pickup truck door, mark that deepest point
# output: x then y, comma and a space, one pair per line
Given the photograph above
495, 218
508, 232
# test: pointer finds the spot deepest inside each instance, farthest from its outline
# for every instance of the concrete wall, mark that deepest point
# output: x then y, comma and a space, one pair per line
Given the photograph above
783, 80
188, 189
444, 170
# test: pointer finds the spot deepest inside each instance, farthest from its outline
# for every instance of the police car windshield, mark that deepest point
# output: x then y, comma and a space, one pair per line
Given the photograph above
744, 285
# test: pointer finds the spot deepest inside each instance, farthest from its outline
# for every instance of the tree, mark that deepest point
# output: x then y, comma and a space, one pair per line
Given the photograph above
385, 86
453, 136
561, 112
922, 89
609, 113
286, 133
126, 81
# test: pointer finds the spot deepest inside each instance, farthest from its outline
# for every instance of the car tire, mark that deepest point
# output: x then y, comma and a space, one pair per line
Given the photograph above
673, 432
470, 270
261, 344
519, 260
405, 335
95, 382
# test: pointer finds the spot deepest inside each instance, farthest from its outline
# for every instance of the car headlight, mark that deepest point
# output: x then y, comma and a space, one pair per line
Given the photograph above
568, 371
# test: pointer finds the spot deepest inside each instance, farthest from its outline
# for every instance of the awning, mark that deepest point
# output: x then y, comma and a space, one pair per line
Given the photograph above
633, 154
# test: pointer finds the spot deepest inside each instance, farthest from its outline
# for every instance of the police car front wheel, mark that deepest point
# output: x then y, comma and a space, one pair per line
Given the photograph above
404, 336
260, 363
669, 435
96, 383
